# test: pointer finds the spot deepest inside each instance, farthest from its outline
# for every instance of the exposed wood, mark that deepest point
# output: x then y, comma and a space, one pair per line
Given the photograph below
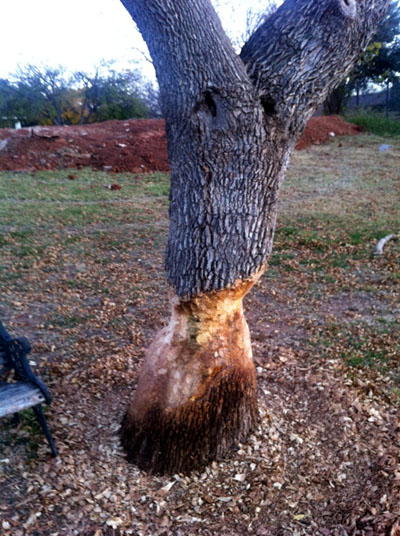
15, 397
175, 440
197, 392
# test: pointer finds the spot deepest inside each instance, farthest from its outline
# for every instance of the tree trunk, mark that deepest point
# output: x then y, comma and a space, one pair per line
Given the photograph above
196, 395
232, 123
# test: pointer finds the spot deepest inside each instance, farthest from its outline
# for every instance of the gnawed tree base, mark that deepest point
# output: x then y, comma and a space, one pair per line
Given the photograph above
196, 396
189, 437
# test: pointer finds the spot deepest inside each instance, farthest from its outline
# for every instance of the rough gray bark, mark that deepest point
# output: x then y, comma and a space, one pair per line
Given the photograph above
232, 123
230, 132
304, 50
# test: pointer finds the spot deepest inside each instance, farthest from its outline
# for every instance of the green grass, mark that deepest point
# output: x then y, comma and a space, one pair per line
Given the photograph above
50, 224
88, 185
375, 123
69, 248
68, 321
360, 344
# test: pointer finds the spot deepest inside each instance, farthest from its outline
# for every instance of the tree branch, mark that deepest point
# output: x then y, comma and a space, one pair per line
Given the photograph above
304, 50
188, 46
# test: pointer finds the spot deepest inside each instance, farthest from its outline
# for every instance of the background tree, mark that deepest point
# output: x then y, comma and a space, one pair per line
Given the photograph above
110, 94
19, 102
47, 85
5, 96
232, 124
45, 95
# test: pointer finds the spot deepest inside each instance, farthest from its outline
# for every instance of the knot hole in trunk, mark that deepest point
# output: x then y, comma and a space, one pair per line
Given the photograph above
210, 103
348, 8
268, 103
207, 104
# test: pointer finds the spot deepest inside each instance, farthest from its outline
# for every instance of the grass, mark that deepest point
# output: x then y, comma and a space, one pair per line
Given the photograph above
81, 273
354, 203
375, 123
337, 202
362, 344
56, 187
63, 236
78, 258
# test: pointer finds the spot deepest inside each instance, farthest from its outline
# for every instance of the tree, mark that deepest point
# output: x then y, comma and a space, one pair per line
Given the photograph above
49, 87
381, 61
232, 124
47, 95
109, 94
19, 102
151, 98
5, 96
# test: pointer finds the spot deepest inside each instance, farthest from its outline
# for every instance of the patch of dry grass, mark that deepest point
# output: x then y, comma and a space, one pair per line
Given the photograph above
82, 273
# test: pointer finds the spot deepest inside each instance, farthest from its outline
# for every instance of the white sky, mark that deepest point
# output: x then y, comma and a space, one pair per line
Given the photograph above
78, 34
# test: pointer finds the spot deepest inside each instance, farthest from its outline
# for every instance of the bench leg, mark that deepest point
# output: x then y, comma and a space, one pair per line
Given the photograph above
42, 421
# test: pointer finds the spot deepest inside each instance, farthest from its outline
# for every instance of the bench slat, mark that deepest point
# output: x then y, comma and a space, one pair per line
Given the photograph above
16, 397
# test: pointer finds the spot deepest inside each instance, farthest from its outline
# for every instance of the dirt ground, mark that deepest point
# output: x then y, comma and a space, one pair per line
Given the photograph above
324, 460
135, 146
82, 278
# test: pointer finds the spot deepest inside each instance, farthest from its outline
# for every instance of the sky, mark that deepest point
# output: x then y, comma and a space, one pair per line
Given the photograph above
78, 34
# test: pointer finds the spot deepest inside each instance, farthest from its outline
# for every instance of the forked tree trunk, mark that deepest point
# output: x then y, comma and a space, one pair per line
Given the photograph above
232, 123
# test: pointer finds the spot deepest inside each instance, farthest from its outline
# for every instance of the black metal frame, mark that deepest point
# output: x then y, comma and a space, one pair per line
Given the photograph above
16, 351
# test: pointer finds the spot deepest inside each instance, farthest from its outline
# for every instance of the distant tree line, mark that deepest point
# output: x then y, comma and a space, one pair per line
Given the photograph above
42, 95
51, 96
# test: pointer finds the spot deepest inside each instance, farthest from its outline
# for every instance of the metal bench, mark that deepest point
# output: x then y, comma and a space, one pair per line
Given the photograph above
27, 391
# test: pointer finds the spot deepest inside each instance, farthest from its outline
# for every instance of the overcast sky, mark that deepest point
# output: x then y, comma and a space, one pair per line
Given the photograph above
78, 34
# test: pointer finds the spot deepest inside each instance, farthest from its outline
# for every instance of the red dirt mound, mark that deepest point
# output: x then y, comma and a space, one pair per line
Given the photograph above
131, 146
320, 129
135, 146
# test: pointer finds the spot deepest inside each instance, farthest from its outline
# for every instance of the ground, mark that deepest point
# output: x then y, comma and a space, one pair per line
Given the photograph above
82, 277
138, 146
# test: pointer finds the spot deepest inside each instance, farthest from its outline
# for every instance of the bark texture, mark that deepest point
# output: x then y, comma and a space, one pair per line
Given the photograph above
232, 123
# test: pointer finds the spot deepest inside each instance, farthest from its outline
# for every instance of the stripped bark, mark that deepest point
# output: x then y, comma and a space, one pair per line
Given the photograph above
232, 123
197, 391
